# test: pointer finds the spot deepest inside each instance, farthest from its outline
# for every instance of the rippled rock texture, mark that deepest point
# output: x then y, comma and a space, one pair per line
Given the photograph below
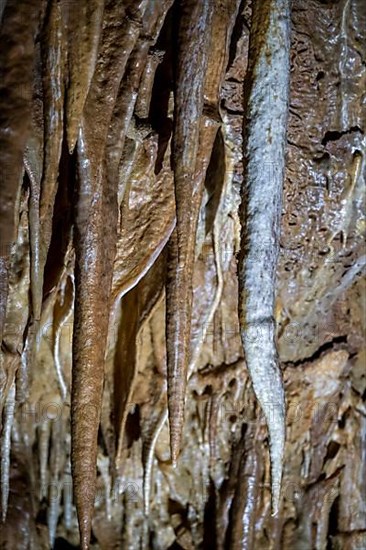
123, 164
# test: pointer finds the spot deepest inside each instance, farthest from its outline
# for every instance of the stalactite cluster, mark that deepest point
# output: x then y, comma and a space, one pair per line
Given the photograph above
182, 224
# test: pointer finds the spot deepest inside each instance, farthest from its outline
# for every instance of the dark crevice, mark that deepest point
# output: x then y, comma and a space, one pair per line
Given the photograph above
234, 80
337, 342
133, 430
209, 534
237, 33
333, 523
214, 180
62, 219
323, 478
61, 543
332, 450
162, 87
232, 111
334, 135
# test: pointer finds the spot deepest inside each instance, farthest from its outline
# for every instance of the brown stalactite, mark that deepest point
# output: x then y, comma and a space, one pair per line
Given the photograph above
193, 142
3, 291
90, 333
53, 54
243, 507
189, 88
96, 223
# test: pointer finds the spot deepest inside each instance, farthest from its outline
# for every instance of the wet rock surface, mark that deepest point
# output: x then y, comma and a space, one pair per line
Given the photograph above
88, 237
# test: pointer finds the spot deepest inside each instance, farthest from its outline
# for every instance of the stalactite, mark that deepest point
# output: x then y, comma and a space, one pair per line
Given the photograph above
212, 412
33, 170
34, 233
208, 131
6, 447
264, 154
67, 493
56, 467
53, 56
219, 30
89, 341
3, 292
33, 164
244, 505
148, 465
43, 450
189, 100
96, 225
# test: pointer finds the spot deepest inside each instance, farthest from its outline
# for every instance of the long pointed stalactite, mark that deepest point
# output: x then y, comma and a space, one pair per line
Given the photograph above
96, 223
264, 161
193, 41
150, 306
54, 65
